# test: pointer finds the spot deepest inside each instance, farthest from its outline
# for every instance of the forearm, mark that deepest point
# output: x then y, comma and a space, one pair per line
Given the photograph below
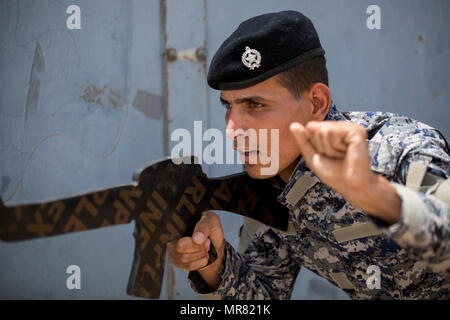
376, 197
415, 220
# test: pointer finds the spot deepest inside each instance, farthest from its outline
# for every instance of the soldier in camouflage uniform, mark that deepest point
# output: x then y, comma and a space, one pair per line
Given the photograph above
365, 190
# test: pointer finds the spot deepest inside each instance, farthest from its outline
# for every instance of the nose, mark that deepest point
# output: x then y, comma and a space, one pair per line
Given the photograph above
235, 119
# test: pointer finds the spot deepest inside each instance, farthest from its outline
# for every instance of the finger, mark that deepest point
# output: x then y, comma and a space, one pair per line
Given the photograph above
182, 259
192, 257
315, 138
337, 141
327, 136
197, 264
191, 264
303, 141
186, 245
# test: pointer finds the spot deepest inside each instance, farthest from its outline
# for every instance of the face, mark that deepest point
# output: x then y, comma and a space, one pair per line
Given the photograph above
266, 105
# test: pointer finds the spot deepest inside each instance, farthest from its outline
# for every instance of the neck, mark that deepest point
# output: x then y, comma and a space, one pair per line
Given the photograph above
286, 173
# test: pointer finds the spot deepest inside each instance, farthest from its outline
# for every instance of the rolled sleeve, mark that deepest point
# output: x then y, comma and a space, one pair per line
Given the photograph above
424, 225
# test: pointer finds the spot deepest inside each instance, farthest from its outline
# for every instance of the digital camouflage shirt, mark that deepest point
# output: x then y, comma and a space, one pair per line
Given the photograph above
339, 242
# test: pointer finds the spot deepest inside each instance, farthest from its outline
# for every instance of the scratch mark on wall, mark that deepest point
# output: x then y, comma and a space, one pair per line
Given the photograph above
36, 147
151, 105
34, 86
105, 97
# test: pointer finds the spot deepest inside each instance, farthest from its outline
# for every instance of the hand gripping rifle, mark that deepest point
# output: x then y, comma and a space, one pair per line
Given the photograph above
164, 199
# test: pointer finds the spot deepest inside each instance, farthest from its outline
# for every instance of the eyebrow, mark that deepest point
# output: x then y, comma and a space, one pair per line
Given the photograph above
245, 99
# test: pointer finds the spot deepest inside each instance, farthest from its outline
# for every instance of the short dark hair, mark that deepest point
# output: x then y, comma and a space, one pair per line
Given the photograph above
301, 77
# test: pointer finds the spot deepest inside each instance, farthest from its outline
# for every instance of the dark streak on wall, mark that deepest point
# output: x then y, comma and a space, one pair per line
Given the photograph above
34, 87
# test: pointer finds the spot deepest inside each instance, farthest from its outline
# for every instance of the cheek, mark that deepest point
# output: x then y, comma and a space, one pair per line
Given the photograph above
288, 148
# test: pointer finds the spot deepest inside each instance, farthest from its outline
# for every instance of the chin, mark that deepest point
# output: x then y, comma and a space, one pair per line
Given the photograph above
254, 171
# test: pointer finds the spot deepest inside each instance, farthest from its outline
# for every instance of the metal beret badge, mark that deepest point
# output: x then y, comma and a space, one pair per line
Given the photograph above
251, 58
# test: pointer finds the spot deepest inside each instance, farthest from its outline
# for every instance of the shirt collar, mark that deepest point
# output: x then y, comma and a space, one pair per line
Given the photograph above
334, 114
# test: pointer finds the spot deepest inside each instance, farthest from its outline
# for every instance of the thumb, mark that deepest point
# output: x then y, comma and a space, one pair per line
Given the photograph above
208, 227
301, 136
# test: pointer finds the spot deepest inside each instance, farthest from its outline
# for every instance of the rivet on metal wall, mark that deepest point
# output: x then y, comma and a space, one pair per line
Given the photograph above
171, 54
200, 53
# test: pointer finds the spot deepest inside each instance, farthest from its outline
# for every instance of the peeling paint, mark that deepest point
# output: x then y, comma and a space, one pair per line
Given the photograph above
105, 97
33, 95
38, 60
151, 105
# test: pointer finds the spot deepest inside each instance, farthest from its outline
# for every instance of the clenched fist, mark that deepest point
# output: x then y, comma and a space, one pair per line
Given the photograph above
191, 253
336, 151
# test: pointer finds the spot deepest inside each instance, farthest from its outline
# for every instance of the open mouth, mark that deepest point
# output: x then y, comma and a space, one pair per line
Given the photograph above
249, 156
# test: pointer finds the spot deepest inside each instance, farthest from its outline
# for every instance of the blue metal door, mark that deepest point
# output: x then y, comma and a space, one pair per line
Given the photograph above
88, 95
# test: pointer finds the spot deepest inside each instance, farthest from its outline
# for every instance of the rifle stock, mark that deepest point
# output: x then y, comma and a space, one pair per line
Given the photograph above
165, 201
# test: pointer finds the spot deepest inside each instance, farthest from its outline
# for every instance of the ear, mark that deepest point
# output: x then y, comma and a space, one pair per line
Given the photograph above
320, 96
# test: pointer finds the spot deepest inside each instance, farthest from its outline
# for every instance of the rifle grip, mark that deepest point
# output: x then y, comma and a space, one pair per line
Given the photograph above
212, 253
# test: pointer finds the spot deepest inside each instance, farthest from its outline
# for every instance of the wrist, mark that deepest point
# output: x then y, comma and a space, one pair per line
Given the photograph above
378, 198
211, 273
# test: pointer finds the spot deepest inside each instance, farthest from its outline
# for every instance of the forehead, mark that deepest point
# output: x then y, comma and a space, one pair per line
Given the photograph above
269, 89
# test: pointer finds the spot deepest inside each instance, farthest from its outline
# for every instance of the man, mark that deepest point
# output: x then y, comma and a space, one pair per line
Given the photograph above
366, 191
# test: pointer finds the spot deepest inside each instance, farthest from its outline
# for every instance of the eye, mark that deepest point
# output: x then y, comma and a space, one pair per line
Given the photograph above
255, 105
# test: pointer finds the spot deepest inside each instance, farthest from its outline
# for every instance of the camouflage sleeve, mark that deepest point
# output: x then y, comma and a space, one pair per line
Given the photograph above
265, 271
423, 184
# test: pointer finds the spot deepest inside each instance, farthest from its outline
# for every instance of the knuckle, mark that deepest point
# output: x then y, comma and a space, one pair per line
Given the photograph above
179, 247
360, 130
206, 213
325, 132
204, 261
215, 218
210, 218
363, 132
184, 258
311, 125
209, 215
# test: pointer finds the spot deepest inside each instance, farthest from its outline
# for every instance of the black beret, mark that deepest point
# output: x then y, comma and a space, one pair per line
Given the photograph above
261, 47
